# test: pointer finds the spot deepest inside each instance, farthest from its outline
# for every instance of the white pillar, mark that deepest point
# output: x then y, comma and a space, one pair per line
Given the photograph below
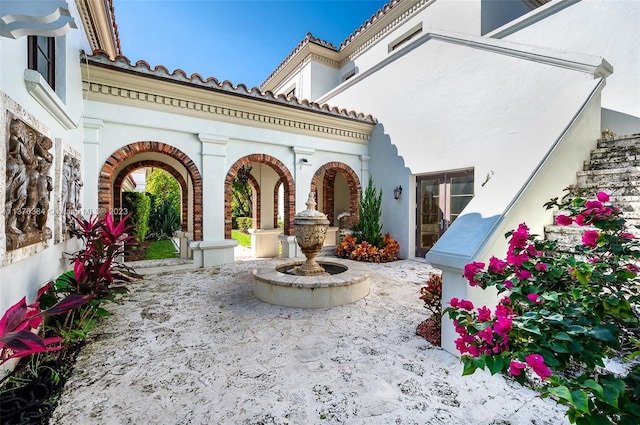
91, 162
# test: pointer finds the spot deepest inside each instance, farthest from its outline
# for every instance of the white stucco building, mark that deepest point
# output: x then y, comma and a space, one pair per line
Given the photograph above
480, 110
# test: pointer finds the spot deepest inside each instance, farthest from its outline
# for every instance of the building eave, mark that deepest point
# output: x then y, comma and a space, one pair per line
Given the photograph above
98, 18
138, 85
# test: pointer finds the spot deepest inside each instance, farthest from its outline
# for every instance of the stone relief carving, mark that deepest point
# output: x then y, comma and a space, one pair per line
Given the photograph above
28, 186
70, 188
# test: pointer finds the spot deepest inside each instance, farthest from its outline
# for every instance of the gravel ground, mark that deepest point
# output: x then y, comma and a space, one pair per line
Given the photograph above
196, 347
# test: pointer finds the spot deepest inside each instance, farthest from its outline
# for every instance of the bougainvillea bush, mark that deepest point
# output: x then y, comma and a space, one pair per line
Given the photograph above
561, 316
350, 248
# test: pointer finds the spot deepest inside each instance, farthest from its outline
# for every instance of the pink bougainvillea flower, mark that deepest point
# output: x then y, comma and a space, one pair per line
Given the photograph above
627, 235
484, 314
536, 361
517, 259
474, 351
503, 325
593, 204
454, 302
486, 335
590, 238
520, 237
466, 305
516, 368
470, 271
563, 220
523, 274
508, 284
633, 268
580, 220
534, 298
496, 265
542, 267
532, 251
603, 197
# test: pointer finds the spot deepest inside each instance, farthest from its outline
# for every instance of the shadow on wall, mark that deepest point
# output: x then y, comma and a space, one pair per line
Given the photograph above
388, 170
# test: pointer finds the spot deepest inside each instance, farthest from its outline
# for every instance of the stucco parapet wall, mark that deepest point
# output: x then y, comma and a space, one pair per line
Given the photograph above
530, 18
594, 65
48, 18
138, 85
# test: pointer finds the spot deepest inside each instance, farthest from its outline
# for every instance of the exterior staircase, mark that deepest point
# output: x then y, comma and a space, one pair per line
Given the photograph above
614, 168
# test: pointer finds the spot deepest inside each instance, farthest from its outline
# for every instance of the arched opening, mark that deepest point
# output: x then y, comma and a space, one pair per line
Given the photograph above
159, 155
268, 173
337, 188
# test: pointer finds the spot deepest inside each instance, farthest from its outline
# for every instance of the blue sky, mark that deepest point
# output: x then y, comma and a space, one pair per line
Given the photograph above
242, 41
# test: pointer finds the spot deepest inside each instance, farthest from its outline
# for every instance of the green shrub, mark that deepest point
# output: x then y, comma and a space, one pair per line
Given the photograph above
138, 205
369, 228
244, 223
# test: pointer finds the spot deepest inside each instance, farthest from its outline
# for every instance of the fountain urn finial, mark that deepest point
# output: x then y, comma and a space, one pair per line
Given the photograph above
310, 227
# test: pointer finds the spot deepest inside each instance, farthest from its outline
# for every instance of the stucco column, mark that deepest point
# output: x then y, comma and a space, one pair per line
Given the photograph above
364, 170
213, 174
302, 173
213, 250
90, 162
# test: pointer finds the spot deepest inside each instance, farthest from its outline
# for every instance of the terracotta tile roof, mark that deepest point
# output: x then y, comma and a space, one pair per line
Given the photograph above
309, 38
375, 17
141, 67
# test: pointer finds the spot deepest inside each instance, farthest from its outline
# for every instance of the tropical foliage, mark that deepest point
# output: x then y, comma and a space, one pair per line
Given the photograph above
562, 316
165, 194
350, 248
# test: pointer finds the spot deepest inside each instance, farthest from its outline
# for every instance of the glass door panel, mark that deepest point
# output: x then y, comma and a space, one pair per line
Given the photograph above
430, 214
440, 200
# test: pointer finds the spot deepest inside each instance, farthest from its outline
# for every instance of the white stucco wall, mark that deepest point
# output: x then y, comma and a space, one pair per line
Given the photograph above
125, 124
606, 28
25, 277
496, 118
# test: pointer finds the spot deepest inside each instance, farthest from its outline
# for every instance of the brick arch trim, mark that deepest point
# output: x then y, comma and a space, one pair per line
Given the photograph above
330, 169
110, 171
122, 174
285, 177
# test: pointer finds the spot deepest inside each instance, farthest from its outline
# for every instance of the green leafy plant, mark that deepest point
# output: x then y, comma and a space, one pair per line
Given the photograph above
562, 315
138, 206
164, 219
431, 294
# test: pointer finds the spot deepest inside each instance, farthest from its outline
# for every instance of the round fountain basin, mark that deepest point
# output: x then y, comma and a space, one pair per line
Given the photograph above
348, 283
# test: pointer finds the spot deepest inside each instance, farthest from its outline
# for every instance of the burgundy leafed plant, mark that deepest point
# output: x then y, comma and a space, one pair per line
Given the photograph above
17, 326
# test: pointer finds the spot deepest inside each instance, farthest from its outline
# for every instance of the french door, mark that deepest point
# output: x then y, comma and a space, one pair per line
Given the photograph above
440, 200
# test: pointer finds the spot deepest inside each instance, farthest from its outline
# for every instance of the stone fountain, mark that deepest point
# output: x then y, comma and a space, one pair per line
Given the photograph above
310, 227
312, 283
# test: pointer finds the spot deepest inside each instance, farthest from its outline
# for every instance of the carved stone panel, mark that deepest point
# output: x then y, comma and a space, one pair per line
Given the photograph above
68, 190
28, 184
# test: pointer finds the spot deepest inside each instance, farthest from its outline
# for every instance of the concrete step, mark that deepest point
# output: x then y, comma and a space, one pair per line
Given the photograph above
612, 187
617, 174
602, 162
619, 141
